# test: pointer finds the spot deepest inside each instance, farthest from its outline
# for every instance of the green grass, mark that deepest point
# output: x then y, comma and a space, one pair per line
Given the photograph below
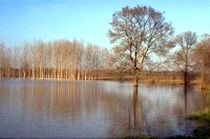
201, 132
202, 115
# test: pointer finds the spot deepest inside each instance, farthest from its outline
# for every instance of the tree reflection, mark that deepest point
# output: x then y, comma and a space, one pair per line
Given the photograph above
185, 104
135, 103
139, 121
105, 109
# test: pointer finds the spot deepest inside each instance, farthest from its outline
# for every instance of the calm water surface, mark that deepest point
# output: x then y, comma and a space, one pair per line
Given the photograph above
87, 109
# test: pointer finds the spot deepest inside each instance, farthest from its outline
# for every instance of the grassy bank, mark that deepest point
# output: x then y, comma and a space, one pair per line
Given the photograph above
202, 116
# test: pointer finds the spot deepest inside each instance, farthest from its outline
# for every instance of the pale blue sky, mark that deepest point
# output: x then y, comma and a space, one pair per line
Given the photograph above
88, 20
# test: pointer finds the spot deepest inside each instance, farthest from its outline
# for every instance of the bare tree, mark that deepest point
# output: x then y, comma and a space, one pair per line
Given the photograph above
201, 56
186, 41
78, 55
24, 60
40, 58
5, 61
92, 60
2, 59
88, 60
140, 33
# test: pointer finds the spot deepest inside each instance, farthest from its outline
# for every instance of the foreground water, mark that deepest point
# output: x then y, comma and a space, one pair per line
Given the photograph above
87, 109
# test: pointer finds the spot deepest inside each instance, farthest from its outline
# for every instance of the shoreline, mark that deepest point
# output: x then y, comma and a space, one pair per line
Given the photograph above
145, 80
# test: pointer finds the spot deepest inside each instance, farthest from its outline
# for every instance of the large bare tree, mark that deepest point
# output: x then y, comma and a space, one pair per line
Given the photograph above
139, 33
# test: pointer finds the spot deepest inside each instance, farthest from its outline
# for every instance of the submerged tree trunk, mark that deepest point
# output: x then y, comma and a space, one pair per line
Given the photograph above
185, 104
24, 73
85, 74
78, 75
186, 78
19, 73
136, 79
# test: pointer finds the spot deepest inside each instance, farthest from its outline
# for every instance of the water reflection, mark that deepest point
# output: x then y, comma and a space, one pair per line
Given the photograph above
95, 109
186, 88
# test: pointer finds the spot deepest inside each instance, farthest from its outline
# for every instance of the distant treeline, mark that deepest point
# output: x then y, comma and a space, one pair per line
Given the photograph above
74, 60
61, 59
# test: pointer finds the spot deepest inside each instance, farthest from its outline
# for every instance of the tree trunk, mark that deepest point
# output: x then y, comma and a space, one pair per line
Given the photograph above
78, 75
185, 77
135, 77
136, 81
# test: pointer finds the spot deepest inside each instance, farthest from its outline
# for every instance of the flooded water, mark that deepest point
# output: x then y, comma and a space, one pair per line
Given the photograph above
92, 109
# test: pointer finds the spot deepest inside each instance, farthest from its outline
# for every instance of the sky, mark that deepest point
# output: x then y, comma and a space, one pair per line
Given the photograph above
89, 20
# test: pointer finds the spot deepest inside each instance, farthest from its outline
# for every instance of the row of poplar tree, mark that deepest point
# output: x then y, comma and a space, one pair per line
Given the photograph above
60, 59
